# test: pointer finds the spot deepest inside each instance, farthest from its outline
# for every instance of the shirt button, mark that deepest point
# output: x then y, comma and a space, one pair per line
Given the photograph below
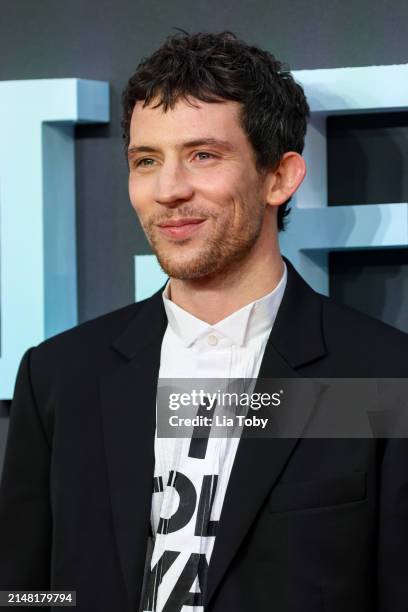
212, 340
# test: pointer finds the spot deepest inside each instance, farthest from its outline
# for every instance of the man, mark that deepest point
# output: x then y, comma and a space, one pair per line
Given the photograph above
93, 500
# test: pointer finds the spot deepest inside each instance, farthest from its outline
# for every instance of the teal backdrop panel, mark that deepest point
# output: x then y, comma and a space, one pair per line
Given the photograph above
149, 277
315, 228
38, 286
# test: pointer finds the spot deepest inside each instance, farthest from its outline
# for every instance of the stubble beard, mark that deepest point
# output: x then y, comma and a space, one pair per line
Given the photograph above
221, 253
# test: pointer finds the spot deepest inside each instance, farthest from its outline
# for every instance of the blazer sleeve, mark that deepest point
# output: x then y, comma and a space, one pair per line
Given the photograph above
25, 513
393, 528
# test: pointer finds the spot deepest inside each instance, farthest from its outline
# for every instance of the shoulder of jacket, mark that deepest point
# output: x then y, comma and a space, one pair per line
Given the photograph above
347, 327
86, 342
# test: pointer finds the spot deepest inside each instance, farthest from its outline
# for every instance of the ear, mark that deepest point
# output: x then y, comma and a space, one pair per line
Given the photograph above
285, 179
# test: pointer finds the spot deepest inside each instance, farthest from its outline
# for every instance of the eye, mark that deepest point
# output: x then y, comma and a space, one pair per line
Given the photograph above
144, 163
206, 155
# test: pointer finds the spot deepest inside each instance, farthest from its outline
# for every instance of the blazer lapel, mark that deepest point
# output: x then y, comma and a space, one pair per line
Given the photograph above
128, 398
296, 339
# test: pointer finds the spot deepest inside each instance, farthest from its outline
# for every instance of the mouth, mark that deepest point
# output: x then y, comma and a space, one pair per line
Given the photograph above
180, 228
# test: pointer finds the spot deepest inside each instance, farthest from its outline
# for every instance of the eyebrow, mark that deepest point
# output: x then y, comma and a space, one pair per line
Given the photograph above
199, 142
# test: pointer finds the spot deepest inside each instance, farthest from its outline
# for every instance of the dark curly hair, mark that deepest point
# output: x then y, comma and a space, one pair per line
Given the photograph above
216, 67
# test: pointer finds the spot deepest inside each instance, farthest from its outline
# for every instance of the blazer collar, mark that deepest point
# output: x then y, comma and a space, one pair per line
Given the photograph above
297, 333
145, 329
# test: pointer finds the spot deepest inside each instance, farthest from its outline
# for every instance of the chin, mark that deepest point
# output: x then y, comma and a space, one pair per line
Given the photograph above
187, 270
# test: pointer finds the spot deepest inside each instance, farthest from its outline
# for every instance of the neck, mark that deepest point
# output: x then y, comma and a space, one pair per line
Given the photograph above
214, 298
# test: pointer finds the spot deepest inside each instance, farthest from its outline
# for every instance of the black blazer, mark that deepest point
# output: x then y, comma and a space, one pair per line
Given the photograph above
308, 525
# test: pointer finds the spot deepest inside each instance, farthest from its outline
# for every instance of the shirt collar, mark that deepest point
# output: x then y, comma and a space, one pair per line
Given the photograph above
240, 327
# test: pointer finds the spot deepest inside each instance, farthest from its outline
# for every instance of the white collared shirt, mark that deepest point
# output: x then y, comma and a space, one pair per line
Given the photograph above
184, 533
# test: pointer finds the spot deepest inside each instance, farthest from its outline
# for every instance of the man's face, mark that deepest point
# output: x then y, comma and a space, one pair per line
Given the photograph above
194, 185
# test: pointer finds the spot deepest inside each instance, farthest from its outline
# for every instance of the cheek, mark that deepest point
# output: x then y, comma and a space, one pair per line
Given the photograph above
138, 195
220, 188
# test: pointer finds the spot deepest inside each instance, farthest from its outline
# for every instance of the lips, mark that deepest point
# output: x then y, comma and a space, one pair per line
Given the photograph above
180, 228
180, 222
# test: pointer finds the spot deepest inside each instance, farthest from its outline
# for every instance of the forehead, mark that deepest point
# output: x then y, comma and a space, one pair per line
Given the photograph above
184, 121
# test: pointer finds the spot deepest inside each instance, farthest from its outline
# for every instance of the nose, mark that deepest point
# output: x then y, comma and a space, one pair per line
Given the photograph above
172, 184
